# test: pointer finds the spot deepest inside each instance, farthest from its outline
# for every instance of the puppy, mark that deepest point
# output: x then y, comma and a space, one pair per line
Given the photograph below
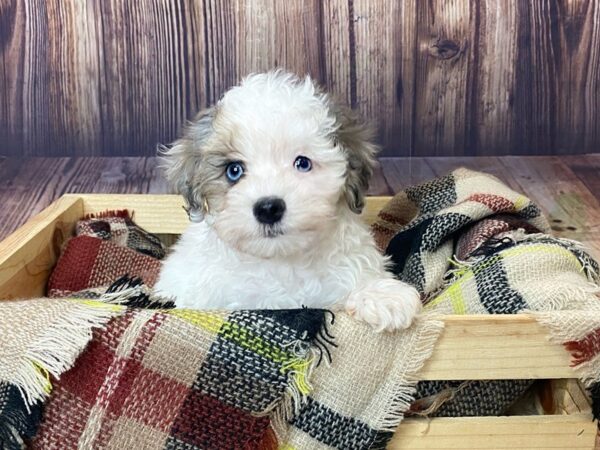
275, 176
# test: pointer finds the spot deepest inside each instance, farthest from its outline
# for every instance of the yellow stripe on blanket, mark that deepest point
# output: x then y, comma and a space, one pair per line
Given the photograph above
521, 202
207, 321
454, 294
542, 248
98, 304
247, 339
217, 324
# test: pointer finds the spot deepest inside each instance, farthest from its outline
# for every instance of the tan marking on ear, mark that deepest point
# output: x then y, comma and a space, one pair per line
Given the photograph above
355, 138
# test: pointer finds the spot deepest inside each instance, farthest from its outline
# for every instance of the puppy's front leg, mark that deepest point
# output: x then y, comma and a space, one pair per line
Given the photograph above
385, 303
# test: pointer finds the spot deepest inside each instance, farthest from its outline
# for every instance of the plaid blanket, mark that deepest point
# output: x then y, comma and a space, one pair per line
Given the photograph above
472, 245
119, 227
160, 377
221, 380
180, 379
39, 341
107, 246
171, 378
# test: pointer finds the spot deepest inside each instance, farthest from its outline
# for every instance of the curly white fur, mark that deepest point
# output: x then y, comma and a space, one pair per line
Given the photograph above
323, 255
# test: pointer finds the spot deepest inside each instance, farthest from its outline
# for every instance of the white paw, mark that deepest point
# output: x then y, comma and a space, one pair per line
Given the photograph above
385, 304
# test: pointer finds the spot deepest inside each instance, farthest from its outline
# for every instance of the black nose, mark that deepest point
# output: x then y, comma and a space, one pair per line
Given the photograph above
269, 210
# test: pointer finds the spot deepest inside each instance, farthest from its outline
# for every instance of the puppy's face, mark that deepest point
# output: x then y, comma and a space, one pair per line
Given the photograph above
273, 162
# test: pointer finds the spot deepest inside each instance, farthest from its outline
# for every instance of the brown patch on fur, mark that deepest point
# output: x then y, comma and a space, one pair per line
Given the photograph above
195, 163
356, 140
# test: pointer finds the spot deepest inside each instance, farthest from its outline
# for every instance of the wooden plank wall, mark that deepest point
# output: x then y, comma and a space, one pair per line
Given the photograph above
438, 77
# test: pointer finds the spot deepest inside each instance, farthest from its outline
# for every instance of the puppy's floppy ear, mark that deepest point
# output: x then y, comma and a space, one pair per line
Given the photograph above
182, 159
355, 138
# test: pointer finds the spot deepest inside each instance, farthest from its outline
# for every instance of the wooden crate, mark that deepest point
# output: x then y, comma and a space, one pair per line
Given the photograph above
477, 347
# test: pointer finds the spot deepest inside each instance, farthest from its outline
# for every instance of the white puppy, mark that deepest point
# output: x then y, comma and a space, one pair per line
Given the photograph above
275, 176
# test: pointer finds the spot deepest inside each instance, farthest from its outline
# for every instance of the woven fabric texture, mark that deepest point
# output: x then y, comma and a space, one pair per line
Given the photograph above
164, 378
472, 245
89, 262
119, 227
40, 340
177, 379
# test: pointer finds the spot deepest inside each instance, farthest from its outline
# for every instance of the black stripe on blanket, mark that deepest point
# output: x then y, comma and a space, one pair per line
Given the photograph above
433, 195
405, 244
531, 211
441, 228
333, 429
494, 289
407, 247
16, 422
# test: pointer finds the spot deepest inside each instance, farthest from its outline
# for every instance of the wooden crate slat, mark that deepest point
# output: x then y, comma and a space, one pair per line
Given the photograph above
164, 214
28, 255
516, 432
479, 347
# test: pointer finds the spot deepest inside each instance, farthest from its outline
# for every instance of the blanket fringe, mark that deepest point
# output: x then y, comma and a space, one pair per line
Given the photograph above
123, 213
559, 334
404, 395
132, 292
57, 350
573, 294
299, 372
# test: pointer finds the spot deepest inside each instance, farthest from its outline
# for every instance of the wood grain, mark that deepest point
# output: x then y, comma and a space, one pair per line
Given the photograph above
499, 347
437, 78
493, 118
28, 255
586, 168
28, 185
442, 68
575, 432
572, 210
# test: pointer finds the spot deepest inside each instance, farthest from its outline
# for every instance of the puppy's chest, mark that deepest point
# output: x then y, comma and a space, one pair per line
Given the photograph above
288, 286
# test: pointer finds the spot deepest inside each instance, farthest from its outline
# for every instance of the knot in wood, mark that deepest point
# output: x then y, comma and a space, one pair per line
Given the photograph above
444, 49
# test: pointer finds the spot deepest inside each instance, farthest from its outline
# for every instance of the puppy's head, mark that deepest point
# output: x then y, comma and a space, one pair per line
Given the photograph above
272, 164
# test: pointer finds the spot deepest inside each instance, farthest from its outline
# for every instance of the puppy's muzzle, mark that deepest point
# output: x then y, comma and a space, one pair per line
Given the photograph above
269, 210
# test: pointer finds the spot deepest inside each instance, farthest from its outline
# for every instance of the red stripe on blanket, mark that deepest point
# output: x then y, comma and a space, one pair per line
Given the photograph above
391, 218
494, 202
126, 372
57, 430
86, 378
94, 363
585, 349
74, 268
109, 214
154, 399
206, 422
91, 262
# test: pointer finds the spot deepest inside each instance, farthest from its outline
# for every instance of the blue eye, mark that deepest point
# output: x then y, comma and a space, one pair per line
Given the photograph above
303, 164
234, 171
